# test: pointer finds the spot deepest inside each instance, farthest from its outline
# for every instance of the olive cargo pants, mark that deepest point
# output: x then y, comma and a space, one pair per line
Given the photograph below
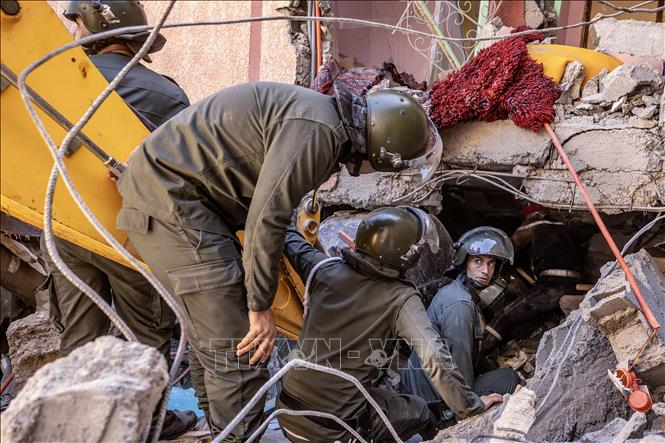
204, 273
80, 321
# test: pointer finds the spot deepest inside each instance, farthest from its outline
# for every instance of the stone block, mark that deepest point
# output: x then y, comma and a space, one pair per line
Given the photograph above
33, 342
634, 37
626, 79
568, 414
613, 309
371, 191
105, 391
495, 145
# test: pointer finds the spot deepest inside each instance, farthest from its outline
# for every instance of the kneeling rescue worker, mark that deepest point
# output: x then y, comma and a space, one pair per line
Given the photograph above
358, 306
479, 256
243, 158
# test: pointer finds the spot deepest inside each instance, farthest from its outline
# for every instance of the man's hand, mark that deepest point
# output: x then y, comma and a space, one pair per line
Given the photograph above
489, 400
261, 336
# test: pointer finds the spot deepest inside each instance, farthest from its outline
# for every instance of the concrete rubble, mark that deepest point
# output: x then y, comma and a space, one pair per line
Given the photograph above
595, 130
33, 342
612, 308
106, 390
634, 37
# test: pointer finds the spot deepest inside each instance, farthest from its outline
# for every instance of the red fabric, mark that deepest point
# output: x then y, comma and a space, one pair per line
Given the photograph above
501, 81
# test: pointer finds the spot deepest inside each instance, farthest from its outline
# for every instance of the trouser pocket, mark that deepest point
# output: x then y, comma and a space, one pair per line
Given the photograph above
214, 298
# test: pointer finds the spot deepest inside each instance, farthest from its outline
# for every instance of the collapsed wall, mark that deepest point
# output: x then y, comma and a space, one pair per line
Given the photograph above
612, 128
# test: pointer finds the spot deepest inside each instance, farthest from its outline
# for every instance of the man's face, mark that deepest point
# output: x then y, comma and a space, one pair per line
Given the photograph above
480, 268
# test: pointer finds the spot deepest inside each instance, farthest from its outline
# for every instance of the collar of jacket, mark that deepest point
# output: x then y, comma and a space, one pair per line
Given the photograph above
470, 286
367, 265
352, 109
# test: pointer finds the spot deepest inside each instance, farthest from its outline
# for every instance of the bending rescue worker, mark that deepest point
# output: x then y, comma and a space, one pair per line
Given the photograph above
243, 158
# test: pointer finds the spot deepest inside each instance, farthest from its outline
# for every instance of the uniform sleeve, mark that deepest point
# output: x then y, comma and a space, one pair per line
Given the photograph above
414, 326
299, 158
455, 326
302, 256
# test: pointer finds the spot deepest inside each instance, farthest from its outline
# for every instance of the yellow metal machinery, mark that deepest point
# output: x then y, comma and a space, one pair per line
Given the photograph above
68, 84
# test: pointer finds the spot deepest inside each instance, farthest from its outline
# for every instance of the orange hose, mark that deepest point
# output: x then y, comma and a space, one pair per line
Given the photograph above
8, 380
603, 229
319, 44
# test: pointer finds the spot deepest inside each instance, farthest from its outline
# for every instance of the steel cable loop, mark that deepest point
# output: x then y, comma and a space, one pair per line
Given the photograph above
277, 412
59, 167
308, 365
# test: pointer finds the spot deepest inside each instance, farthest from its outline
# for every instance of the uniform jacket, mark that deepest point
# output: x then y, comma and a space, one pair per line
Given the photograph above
354, 322
240, 158
151, 95
456, 319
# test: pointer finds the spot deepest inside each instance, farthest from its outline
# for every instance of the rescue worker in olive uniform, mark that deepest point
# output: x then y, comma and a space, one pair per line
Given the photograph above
479, 256
243, 158
154, 99
358, 307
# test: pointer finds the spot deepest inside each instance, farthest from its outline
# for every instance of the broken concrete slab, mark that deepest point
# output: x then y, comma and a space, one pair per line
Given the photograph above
105, 391
596, 146
611, 307
634, 37
371, 191
626, 79
607, 189
33, 342
497, 145
533, 15
566, 415
618, 430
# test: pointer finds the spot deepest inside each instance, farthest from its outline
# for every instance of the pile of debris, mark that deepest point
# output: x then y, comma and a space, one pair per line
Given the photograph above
627, 91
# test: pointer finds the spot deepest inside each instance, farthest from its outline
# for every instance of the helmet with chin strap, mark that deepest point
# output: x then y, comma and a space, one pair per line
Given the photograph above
486, 241
104, 15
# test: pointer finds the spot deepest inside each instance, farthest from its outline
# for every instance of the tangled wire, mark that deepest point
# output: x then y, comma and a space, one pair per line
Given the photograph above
501, 81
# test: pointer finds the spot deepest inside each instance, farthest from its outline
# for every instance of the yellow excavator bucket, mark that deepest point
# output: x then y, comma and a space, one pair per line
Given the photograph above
554, 59
68, 84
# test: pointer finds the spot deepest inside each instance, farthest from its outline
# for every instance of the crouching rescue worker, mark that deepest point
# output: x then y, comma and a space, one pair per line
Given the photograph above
154, 99
243, 158
479, 256
358, 306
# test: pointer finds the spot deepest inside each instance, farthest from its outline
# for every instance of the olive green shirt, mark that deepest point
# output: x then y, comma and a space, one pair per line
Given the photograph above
354, 322
240, 158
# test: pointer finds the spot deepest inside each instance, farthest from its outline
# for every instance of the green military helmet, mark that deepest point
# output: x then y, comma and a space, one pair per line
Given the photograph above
400, 135
100, 16
396, 236
105, 15
483, 240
